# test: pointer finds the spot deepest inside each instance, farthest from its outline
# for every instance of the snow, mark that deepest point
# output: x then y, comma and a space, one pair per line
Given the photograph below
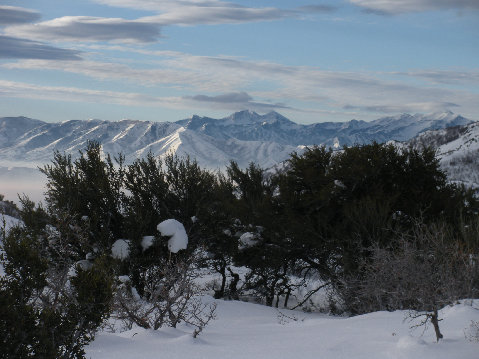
175, 230
245, 330
120, 249
147, 242
9, 222
340, 184
124, 279
247, 240
84, 264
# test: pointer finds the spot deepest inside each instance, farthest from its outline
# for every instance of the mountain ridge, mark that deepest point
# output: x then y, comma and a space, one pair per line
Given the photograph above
244, 136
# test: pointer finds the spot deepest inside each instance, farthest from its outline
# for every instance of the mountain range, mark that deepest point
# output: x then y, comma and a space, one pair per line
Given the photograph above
243, 136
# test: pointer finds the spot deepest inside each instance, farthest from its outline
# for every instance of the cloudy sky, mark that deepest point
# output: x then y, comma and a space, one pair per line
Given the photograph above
312, 61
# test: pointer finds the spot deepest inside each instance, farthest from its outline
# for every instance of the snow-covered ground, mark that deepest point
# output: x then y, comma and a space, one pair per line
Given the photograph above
246, 330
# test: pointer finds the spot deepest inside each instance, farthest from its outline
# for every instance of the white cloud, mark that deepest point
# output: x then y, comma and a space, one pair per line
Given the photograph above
405, 6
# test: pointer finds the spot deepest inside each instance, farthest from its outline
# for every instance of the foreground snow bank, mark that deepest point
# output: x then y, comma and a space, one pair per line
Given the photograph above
245, 330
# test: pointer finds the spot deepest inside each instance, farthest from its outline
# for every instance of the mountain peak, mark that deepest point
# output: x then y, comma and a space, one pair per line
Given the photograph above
242, 118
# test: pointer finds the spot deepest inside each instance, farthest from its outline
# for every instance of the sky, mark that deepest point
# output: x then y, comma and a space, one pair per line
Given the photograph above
312, 61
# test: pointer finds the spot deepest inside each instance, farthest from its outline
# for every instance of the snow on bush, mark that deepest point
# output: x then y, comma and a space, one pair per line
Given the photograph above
175, 230
147, 242
247, 240
120, 249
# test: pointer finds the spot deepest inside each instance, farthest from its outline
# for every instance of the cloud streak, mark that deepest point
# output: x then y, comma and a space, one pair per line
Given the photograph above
275, 85
316, 8
235, 101
72, 94
406, 6
403, 108
10, 15
445, 77
87, 28
15, 48
212, 12
189, 15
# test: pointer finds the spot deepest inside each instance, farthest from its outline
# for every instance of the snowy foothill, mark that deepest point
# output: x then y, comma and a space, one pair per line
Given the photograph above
177, 233
246, 330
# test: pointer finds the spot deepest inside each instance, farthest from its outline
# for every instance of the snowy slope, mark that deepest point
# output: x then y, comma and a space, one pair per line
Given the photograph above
11, 128
458, 150
244, 330
133, 139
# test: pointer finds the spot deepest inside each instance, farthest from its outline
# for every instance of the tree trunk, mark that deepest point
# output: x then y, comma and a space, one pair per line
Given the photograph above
435, 322
288, 293
220, 293
233, 284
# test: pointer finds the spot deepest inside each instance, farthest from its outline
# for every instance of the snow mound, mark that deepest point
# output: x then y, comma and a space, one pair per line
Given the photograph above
176, 231
120, 249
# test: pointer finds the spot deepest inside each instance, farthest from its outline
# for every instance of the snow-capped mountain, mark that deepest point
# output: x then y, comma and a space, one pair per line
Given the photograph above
458, 150
273, 127
243, 137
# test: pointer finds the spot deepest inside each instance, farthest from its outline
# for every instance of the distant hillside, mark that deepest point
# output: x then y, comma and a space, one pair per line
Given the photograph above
458, 149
